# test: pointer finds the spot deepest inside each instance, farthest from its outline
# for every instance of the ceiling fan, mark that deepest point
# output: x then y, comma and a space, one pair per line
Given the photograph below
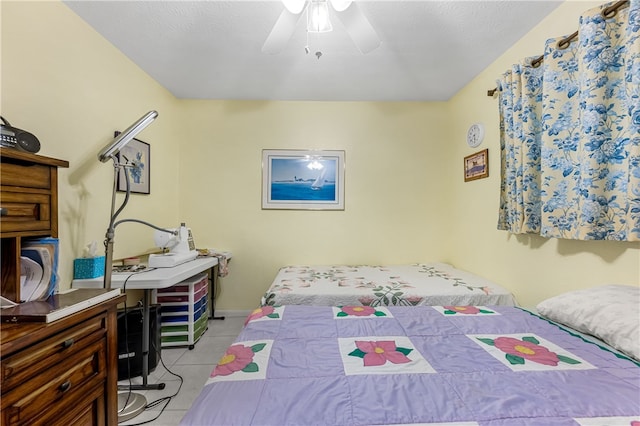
357, 25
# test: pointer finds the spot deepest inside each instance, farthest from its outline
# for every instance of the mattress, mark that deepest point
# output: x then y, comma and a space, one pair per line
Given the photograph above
359, 365
397, 285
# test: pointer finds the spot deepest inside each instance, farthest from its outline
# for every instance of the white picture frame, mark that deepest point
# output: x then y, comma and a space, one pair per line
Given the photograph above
303, 179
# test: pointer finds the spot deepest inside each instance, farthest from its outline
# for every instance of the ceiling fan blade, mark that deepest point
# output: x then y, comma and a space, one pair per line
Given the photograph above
294, 6
359, 28
281, 32
338, 5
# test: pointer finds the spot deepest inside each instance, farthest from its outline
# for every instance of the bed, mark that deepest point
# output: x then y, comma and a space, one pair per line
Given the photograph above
397, 285
444, 365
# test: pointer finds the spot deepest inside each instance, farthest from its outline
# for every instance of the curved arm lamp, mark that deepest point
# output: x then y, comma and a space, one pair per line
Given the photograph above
109, 152
130, 404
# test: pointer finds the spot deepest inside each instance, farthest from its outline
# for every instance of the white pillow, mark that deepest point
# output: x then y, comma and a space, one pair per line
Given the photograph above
608, 312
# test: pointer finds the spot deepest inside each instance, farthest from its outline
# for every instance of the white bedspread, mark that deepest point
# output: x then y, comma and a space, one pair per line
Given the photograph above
398, 285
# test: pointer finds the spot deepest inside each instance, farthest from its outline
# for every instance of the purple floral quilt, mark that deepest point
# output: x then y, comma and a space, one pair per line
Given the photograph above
436, 365
393, 285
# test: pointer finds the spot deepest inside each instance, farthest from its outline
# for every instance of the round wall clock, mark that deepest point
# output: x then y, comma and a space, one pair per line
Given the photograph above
475, 134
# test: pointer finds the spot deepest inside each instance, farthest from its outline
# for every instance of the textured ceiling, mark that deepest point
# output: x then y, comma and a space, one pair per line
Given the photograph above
212, 49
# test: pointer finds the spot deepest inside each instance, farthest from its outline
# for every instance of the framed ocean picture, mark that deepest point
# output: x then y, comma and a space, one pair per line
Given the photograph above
302, 180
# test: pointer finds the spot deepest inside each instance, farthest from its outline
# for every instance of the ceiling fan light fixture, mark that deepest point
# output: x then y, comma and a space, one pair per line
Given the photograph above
318, 17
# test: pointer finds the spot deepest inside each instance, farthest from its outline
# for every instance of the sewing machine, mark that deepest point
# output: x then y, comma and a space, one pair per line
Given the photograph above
179, 244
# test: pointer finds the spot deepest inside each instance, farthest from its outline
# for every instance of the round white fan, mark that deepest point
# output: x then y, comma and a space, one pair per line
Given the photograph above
357, 25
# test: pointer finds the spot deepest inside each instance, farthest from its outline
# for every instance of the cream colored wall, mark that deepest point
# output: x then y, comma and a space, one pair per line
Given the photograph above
71, 88
395, 186
534, 268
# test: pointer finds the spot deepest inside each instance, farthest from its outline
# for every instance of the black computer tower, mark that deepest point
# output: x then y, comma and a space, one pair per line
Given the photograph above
130, 341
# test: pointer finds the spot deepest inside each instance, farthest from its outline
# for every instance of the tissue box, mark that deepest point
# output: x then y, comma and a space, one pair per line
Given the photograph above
88, 267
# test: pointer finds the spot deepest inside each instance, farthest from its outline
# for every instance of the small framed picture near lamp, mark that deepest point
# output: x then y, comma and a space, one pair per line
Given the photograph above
136, 160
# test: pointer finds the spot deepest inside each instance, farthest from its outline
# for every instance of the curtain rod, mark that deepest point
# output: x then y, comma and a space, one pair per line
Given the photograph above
607, 13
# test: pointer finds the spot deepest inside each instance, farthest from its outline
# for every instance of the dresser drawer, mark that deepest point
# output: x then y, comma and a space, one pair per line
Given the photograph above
88, 412
51, 352
25, 175
25, 211
64, 387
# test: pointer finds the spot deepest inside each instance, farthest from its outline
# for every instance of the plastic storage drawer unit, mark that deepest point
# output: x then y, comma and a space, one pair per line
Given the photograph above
184, 311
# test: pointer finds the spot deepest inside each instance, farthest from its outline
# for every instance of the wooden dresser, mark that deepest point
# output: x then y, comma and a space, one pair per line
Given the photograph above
61, 373
64, 372
29, 208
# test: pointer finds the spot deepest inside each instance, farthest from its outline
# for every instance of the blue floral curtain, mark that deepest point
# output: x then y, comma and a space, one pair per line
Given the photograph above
570, 134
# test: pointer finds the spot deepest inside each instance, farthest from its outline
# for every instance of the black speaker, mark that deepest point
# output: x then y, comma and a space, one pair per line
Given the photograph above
27, 142
130, 341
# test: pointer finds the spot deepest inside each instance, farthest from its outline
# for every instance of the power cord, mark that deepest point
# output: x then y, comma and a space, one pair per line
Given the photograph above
166, 399
126, 343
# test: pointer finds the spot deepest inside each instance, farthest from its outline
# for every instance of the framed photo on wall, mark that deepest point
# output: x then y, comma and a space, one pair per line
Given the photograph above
476, 166
302, 180
137, 155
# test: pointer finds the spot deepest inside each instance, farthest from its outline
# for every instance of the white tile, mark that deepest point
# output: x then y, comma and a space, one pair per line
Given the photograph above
206, 351
142, 417
230, 326
169, 418
194, 378
194, 366
166, 418
170, 355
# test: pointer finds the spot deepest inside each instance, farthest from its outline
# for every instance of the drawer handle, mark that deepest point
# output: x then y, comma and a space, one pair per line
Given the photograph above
67, 343
3, 211
65, 386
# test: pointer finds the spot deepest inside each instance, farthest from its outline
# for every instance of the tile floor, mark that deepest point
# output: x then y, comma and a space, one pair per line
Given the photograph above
193, 365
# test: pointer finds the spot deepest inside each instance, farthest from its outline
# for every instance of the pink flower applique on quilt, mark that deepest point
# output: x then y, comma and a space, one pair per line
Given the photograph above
264, 311
359, 311
238, 358
376, 353
466, 310
528, 349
